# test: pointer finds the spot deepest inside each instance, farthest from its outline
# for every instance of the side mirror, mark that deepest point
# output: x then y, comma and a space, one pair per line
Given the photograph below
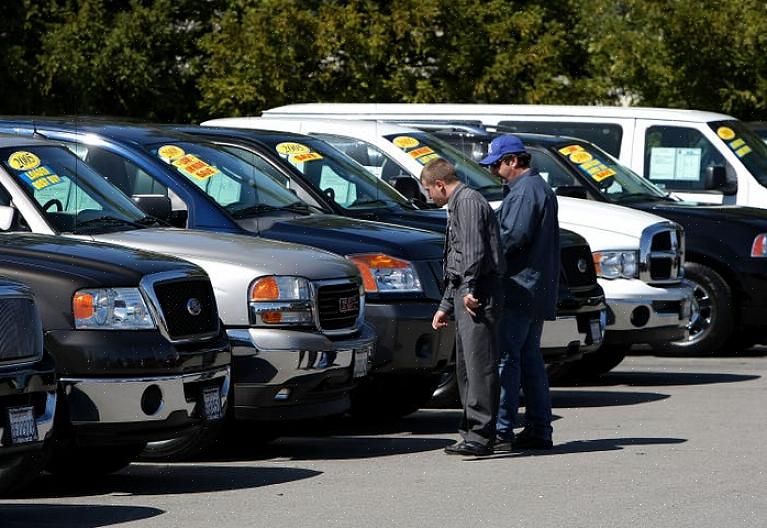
7, 217
716, 180
330, 193
408, 187
156, 205
572, 191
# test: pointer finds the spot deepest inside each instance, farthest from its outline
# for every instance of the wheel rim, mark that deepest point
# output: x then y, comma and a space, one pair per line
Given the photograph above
702, 315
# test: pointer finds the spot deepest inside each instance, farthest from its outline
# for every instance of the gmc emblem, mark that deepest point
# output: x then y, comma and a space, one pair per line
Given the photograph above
348, 304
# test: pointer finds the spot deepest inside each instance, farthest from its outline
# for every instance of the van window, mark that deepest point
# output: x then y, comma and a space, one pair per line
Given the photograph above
677, 157
608, 136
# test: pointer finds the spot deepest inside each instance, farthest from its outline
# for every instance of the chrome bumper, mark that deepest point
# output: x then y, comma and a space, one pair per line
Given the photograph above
150, 399
44, 422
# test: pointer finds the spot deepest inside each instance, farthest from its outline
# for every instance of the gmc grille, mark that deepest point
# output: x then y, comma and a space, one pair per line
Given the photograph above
175, 297
661, 254
21, 331
577, 267
338, 306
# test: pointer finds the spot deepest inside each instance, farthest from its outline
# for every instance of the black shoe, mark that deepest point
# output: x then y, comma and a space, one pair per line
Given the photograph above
469, 449
503, 444
527, 440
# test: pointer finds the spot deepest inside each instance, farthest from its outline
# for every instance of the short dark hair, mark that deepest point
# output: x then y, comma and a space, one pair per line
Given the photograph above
438, 169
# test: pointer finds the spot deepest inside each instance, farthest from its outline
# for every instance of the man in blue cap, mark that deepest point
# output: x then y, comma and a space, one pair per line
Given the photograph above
530, 243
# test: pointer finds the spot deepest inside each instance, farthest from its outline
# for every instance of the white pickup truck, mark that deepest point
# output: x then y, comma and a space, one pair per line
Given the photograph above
644, 306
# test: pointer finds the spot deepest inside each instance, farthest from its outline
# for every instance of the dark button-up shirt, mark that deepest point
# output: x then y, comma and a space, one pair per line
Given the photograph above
530, 240
472, 244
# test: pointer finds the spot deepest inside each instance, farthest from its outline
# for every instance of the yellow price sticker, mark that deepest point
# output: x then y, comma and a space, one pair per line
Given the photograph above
580, 157
726, 133
570, 149
599, 176
170, 152
23, 160
292, 148
404, 142
307, 156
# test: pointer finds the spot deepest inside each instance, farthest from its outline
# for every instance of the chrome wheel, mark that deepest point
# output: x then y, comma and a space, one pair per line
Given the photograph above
702, 315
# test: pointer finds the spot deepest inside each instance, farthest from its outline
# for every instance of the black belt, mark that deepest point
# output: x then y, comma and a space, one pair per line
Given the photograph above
457, 280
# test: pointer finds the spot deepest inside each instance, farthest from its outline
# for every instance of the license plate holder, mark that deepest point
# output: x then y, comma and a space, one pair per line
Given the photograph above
595, 329
211, 403
361, 362
22, 425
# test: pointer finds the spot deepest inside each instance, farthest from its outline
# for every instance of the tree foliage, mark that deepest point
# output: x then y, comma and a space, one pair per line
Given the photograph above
191, 59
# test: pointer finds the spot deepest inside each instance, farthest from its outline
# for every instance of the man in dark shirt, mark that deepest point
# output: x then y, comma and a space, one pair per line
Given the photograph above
473, 293
530, 240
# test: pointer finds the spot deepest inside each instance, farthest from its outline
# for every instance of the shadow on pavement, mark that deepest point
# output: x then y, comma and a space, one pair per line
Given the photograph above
566, 399
587, 446
164, 479
71, 515
425, 421
667, 379
329, 448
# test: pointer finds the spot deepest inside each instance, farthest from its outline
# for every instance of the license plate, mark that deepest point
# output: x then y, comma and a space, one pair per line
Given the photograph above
360, 363
211, 399
596, 331
22, 424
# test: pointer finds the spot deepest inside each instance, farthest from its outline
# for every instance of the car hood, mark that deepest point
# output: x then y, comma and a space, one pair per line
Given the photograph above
347, 236
704, 215
234, 261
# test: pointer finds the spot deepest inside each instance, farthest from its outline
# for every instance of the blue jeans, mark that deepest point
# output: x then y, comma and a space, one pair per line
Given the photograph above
521, 364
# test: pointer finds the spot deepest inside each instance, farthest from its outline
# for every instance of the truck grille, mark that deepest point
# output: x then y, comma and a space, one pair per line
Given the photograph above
661, 254
21, 332
577, 267
185, 318
338, 306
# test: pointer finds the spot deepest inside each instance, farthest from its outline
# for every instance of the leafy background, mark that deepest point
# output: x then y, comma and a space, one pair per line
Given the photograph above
188, 60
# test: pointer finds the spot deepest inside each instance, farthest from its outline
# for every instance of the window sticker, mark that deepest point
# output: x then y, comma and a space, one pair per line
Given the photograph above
726, 133
23, 160
580, 157
40, 177
405, 142
191, 165
570, 149
304, 157
170, 153
292, 148
670, 163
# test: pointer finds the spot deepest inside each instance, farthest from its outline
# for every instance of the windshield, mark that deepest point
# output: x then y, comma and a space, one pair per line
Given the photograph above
615, 182
241, 188
424, 147
746, 145
338, 176
71, 196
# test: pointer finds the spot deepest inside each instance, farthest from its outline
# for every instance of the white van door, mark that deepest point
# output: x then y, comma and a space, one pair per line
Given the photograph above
683, 158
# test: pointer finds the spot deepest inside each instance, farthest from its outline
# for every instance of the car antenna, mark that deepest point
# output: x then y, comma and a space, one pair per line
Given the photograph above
35, 133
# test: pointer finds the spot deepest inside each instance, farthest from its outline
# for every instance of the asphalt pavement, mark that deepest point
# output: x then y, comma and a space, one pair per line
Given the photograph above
658, 442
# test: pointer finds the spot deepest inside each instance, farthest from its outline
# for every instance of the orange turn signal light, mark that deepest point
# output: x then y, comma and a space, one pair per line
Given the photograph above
265, 289
367, 263
82, 305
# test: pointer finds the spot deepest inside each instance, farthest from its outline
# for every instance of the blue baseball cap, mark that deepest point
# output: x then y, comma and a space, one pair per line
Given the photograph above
503, 146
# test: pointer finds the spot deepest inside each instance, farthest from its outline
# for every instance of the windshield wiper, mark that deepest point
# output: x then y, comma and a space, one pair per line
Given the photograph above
152, 221
254, 210
107, 220
372, 201
297, 207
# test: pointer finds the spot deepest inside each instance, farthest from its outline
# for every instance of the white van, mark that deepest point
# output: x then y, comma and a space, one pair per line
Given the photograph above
699, 156
640, 309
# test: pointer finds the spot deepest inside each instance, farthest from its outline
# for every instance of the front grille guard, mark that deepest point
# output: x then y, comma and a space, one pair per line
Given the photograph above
315, 287
675, 254
147, 288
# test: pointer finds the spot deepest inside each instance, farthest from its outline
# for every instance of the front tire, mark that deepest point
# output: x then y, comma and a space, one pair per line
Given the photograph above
712, 322
392, 396
93, 461
595, 364
18, 471
184, 447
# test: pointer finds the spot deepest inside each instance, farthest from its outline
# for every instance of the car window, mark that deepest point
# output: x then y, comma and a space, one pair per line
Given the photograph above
608, 136
678, 157
550, 170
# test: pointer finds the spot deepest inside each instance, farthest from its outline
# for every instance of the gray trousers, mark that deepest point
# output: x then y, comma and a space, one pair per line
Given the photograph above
476, 364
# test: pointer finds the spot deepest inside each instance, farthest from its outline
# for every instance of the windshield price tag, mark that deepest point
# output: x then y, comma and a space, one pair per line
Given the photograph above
22, 425
41, 177
191, 165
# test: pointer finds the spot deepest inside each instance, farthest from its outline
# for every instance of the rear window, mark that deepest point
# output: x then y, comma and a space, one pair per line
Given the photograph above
608, 136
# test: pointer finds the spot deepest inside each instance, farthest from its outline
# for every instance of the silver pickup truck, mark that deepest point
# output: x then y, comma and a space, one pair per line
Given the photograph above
295, 315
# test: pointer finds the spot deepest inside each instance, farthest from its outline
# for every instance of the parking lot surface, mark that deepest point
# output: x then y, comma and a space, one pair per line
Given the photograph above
658, 442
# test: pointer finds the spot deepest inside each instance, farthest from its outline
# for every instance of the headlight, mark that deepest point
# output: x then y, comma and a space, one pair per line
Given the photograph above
382, 273
616, 264
281, 301
759, 247
111, 309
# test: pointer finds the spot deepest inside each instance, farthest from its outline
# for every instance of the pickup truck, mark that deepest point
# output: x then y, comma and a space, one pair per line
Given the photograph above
213, 190
337, 184
27, 388
278, 301
641, 308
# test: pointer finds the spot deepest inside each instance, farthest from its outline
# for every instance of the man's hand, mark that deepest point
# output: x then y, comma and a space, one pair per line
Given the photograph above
440, 320
471, 303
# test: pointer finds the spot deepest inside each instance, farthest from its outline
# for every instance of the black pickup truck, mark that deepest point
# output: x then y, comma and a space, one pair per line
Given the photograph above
139, 352
27, 388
